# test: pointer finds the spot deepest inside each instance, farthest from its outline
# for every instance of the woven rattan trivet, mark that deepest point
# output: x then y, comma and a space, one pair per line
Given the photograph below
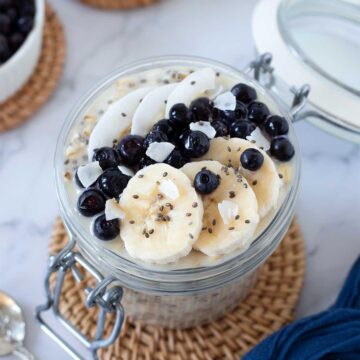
43, 81
269, 306
118, 4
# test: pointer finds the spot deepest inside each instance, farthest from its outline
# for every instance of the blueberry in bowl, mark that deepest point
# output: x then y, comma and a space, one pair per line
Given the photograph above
21, 32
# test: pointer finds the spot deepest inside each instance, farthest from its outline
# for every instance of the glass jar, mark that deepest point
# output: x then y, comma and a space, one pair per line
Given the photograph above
185, 297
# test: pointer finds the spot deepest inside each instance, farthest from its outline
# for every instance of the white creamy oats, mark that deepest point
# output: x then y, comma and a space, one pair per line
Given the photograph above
77, 148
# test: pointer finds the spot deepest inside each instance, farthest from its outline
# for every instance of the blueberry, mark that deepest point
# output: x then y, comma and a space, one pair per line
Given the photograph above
16, 40
131, 149
180, 136
5, 24
25, 24
91, 202
201, 109
176, 159
107, 157
195, 144
28, 9
155, 136
258, 112
230, 116
206, 181
251, 159
112, 182
276, 125
12, 13
106, 229
165, 127
281, 148
220, 127
240, 111
244, 93
5, 4
179, 116
145, 161
5, 52
242, 128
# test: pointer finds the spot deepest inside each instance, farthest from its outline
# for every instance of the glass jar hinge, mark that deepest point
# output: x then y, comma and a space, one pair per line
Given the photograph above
105, 294
261, 70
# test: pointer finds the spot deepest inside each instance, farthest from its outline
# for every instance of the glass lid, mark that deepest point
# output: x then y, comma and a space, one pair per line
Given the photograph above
316, 42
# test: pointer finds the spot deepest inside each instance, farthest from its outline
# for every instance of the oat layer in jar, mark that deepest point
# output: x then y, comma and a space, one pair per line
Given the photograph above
178, 177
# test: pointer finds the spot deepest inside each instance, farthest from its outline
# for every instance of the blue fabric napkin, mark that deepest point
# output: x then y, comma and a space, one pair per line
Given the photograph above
333, 334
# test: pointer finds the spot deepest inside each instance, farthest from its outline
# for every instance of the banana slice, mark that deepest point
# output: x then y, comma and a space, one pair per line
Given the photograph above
265, 182
230, 212
116, 120
163, 215
151, 109
192, 87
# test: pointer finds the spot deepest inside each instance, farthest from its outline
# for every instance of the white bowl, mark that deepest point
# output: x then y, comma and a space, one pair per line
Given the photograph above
15, 72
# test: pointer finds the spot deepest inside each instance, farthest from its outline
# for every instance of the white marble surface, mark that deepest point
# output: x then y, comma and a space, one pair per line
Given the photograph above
329, 201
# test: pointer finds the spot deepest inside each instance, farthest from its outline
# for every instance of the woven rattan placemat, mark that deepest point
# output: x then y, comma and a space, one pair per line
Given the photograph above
269, 306
44, 80
118, 4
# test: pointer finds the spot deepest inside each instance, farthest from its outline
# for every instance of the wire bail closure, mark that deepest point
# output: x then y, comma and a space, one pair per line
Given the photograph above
105, 294
261, 70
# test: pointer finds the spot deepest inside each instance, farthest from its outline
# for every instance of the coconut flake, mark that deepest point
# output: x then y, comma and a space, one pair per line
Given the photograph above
205, 127
169, 189
228, 210
113, 210
159, 151
225, 101
126, 171
89, 173
259, 139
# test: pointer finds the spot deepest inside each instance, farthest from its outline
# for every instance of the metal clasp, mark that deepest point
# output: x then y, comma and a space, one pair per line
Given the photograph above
260, 67
262, 71
299, 101
106, 295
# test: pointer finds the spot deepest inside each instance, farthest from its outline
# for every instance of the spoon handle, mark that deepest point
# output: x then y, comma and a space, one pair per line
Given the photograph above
22, 353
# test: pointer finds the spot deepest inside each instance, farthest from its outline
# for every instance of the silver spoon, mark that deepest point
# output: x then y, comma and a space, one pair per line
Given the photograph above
12, 329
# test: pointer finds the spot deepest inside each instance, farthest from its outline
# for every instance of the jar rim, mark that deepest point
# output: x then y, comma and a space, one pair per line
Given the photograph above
194, 279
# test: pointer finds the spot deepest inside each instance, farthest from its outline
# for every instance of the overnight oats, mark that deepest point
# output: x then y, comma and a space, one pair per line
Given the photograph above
179, 178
